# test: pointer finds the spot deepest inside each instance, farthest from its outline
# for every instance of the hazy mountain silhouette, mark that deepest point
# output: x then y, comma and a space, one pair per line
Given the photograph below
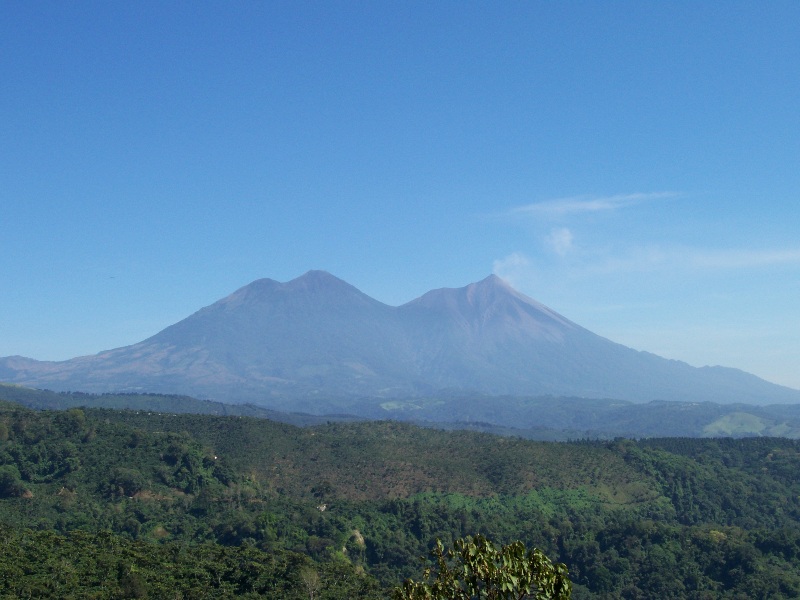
318, 343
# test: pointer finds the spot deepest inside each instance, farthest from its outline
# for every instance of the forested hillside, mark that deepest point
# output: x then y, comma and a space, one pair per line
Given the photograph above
105, 503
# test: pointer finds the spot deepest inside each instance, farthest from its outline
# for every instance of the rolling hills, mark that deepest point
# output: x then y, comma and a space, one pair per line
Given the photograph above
229, 506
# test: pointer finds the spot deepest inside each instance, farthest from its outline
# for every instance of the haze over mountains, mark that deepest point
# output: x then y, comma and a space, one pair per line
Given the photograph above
316, 343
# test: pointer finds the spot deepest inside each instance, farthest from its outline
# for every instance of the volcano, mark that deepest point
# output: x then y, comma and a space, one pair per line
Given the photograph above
317, 342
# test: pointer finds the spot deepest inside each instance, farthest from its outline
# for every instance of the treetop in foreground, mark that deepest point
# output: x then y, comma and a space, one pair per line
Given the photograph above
476, 569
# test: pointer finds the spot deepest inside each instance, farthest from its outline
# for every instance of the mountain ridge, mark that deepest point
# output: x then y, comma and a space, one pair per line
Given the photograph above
317, 343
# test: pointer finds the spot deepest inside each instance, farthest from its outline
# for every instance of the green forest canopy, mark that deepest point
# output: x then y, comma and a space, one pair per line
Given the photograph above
360, 503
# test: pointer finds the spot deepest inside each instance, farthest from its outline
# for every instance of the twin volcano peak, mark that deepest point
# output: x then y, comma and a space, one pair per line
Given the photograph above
287, 345
326, 308
320, 285
317, 280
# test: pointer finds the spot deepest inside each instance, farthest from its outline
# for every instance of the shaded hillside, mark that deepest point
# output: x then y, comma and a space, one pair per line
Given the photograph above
315, 344
170, 403
572, 418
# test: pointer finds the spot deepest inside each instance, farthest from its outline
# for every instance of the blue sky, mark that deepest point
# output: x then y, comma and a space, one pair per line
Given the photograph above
633, 165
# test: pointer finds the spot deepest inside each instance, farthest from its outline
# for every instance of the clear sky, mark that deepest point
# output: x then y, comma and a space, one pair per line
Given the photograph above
633, 165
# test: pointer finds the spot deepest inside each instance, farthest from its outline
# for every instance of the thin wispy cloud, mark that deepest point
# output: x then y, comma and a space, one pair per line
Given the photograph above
629, 260
657, 258
587, 204
521, 269
738, 259
560, 241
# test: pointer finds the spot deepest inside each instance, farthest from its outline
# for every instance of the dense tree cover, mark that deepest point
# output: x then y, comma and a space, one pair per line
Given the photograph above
43, 564
677, 518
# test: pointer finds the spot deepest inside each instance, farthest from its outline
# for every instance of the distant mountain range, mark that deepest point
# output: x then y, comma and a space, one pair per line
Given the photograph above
545, 418
318, 344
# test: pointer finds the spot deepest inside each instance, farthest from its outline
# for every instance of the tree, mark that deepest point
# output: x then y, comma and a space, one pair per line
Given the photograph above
311, 582
10, 484
477, 570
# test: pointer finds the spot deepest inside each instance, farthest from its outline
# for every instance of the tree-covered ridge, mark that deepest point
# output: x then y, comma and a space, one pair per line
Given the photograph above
376, 460
677, 518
